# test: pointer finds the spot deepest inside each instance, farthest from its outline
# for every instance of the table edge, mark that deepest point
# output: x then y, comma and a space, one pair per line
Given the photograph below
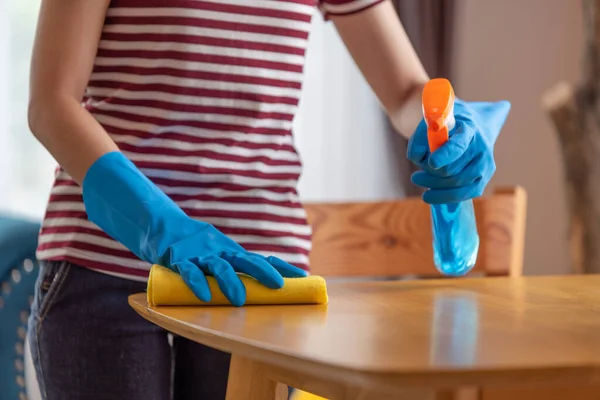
580, 374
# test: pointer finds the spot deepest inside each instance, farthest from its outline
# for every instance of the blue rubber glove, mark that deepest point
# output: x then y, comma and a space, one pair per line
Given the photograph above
461, 168
134, 211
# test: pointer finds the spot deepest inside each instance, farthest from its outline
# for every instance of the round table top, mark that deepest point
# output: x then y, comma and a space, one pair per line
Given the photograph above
463, 331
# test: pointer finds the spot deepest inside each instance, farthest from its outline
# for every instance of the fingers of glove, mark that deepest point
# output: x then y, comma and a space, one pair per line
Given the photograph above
195, 279
457, 166
258, 268
228, 281
418, 146
455, 147
455, 195
467, 176
286, 270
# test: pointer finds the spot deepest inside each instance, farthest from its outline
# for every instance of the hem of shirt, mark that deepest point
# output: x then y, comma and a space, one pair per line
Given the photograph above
132, 274
328, 14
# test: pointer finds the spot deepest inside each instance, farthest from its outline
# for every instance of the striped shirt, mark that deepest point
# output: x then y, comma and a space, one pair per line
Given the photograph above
200, 95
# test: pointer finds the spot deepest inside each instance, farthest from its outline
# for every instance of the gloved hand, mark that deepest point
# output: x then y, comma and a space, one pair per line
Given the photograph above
134, 211
461, 168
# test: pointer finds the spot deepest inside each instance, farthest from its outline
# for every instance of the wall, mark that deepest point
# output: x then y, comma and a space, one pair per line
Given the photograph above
515, 50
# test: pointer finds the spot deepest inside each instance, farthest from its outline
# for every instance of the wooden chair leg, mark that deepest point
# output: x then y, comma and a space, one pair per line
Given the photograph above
249, 380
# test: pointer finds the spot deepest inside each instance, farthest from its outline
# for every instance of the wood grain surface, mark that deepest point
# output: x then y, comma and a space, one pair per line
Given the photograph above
435, 333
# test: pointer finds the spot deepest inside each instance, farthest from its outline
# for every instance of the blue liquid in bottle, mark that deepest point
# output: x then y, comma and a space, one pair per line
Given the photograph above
455, 238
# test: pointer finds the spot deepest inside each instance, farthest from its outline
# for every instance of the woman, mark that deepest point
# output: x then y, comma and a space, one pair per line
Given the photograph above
171, 121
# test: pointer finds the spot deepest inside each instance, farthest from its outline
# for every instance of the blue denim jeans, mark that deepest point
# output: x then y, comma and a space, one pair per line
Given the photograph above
88, 344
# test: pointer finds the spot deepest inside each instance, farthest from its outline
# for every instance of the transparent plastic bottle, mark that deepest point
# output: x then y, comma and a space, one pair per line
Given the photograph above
455, 237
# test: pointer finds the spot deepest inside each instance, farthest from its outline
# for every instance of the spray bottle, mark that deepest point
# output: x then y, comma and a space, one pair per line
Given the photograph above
455, 237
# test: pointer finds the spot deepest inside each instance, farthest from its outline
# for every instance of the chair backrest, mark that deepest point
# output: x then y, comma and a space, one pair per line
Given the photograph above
393, 239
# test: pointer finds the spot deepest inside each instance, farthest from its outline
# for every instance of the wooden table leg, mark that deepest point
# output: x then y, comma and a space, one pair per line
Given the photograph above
249, 380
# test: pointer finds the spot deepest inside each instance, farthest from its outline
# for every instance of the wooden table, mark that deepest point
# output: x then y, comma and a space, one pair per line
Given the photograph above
380, 340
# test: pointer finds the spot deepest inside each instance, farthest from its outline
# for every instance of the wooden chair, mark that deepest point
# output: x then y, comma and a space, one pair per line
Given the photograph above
393, 240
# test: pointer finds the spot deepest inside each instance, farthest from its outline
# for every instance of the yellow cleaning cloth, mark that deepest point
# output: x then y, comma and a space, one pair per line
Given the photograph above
300, 395
166, 288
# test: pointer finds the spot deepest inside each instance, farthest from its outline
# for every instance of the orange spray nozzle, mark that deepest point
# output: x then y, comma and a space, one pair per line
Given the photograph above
438, 111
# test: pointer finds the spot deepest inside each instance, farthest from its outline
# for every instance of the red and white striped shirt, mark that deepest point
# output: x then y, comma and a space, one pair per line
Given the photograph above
200, 95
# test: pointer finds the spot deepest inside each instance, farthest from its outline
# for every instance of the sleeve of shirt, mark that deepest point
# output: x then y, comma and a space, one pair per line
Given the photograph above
344, 7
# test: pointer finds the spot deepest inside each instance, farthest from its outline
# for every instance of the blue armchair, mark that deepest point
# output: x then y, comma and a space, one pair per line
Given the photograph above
18, 272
